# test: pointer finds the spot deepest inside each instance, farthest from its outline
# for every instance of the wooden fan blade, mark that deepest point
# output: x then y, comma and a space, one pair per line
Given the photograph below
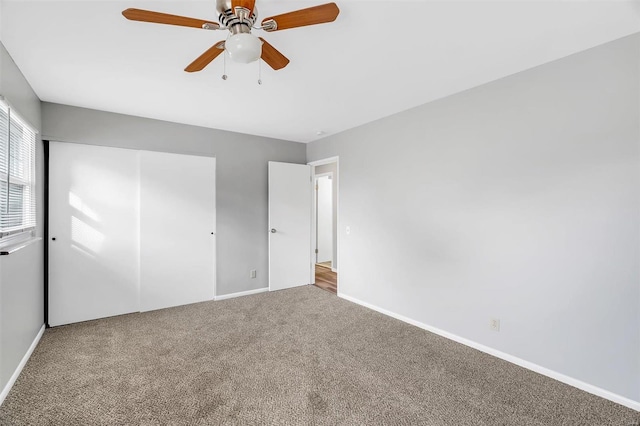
247, 4
300, 18
272, 56
165, 18
206, 58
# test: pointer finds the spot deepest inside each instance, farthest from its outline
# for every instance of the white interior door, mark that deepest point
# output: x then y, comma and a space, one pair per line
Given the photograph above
324, 211
93, 230
289, 225
177, 229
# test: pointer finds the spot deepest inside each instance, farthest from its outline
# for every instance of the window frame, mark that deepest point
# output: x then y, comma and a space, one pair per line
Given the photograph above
27, 210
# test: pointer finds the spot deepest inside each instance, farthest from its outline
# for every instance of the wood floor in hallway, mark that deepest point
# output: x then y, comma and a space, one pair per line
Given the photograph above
326, 279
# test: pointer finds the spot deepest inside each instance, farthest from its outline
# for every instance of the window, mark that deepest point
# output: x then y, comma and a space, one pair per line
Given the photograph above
17, 176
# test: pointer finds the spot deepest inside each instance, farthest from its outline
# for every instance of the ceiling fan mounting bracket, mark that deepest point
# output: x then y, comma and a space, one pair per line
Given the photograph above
243, 14
269, 25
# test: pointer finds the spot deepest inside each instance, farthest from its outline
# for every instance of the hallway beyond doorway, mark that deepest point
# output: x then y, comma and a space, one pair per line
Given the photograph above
326, 279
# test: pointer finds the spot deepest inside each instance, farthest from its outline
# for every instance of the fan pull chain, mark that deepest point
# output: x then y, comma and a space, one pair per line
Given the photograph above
224, 65
259, 71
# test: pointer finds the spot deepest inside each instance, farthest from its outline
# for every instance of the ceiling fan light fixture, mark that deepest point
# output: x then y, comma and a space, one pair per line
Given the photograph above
239, 17
244, 48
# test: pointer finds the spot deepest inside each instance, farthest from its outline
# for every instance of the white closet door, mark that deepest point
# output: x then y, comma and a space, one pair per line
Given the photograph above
93, 232
177, 229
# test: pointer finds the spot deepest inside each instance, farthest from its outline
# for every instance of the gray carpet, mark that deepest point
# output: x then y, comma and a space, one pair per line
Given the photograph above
300, 356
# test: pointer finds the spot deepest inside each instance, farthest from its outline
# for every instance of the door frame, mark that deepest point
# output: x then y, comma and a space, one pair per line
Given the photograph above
45, 215
312, 249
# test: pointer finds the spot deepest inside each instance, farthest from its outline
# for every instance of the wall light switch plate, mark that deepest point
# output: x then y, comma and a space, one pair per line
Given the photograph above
252, 274
347, 230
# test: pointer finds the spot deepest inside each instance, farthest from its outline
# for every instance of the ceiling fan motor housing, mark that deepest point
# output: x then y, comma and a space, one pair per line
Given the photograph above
223, 5
237, 21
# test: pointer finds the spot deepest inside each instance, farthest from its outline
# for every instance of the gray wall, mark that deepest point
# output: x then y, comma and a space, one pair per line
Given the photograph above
241, 177
517, 200
21, 273
332, 168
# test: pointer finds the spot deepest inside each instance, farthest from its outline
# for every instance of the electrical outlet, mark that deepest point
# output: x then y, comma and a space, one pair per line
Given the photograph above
494, 324
252, 274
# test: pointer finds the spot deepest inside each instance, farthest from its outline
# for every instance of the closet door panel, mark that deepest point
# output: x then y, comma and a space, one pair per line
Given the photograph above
177, 229
93, 232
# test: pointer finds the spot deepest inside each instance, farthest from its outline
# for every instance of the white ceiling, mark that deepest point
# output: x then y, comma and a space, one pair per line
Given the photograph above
376, 59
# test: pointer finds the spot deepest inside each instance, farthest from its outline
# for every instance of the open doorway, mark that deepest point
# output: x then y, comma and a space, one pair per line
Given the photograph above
325, 243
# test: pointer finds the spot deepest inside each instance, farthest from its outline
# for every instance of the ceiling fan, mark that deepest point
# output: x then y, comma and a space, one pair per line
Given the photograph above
239, 16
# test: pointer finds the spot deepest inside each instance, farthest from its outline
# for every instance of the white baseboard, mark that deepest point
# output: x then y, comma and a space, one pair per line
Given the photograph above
241, 293
634, 405
20, 366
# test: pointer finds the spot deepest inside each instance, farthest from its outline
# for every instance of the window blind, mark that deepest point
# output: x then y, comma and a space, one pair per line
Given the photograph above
17, 173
